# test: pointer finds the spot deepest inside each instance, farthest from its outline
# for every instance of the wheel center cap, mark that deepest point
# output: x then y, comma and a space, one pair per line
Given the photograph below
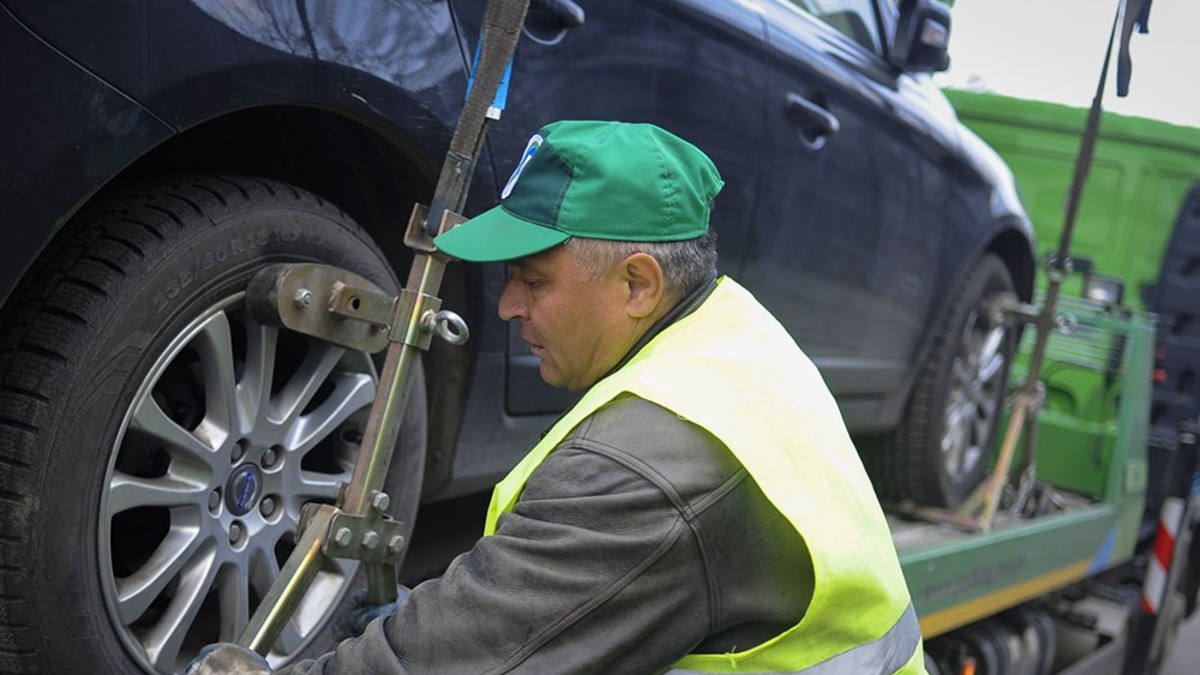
243, 488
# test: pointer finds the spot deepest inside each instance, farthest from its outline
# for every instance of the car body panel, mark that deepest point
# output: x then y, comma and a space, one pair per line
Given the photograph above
75, 131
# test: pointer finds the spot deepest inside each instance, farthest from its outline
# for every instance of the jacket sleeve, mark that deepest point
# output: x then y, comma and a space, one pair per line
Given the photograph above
595, 570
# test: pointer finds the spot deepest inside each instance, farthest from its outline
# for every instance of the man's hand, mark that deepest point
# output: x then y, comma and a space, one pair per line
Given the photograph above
226, 658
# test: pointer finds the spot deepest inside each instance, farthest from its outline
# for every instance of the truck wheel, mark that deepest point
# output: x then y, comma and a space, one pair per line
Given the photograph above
159, 443
939, 454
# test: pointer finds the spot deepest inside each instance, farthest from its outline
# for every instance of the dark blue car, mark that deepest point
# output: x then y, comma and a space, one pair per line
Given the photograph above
157, 443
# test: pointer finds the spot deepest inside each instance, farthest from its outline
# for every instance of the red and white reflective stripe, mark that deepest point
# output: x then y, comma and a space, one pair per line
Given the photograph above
1155, 588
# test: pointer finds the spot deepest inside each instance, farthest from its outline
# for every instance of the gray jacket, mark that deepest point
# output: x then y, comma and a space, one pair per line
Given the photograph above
638, 540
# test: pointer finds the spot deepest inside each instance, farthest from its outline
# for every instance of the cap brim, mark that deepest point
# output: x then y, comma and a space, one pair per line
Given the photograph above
496, 235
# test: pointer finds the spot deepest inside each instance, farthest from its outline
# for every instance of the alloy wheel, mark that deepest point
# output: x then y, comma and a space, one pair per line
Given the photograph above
977, 375
235, 427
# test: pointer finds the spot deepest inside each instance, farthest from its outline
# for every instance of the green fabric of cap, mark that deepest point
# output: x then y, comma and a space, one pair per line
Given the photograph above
596, 180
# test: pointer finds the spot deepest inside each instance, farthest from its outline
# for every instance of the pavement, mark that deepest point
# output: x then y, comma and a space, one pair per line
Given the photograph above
1185, 657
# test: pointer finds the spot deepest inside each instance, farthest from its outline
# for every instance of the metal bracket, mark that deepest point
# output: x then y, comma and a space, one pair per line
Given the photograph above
373, 538
361, 303
303, 296
1009, 306
345, 309
417, 237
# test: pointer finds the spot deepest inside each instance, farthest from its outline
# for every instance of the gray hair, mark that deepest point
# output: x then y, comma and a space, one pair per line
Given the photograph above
685, 264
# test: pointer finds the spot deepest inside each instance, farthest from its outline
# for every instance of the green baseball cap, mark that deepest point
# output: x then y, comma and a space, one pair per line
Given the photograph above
596, 180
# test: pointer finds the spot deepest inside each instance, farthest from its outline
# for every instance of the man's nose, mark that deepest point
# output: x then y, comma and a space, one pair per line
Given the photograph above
510, 306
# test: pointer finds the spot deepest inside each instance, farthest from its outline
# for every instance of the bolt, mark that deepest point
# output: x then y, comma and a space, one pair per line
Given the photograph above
396, 544
235, 533
269, 457
214, 501
304, 298
342, 536
380, 502
370, 540
267, 507
239, 450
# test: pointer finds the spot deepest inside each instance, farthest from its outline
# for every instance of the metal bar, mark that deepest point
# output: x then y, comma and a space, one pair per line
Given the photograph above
501, 30
1058, 268
298, 572
999, 477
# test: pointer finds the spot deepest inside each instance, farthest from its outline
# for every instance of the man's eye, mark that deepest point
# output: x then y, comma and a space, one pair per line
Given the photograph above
530, 282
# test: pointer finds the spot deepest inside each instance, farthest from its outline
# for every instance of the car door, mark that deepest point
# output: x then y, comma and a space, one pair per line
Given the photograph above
693, 67
848, 226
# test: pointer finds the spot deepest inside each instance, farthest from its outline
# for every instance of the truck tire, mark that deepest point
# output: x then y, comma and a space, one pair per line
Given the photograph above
158, 443
940, 451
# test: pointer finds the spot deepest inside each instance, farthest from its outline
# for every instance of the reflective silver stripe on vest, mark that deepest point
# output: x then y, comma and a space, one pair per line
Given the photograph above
884, 655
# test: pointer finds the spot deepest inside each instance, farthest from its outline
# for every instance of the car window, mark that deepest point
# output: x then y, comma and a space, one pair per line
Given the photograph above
853, 18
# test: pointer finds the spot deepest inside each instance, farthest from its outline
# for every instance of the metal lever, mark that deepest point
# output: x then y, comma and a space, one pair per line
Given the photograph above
502, 23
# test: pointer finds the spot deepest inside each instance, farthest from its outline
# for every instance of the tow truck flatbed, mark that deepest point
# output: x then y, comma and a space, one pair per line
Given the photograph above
1092, 471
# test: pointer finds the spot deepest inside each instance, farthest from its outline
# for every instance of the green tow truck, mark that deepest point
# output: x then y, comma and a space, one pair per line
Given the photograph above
1063, 579
1092, 561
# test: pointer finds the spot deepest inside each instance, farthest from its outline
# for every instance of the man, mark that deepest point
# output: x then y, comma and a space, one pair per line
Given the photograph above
701, 508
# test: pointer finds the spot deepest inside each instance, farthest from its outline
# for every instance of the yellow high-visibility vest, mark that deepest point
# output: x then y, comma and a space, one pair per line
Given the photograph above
732, 369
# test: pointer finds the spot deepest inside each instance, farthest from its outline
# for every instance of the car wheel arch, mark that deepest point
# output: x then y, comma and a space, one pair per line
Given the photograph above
376, 178
1012, 244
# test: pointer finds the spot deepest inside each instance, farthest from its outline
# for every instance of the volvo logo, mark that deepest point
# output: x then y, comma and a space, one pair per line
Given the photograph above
241, 491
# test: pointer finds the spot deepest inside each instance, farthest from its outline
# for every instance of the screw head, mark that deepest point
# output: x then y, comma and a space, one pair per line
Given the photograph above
267, 506
269, 457
214, 500
370, 540
380, 502
235, 532
396, 544
239, 450
342, 536
304, 297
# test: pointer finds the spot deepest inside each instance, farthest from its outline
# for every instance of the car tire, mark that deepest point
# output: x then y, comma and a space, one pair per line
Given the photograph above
939, 453
158, 442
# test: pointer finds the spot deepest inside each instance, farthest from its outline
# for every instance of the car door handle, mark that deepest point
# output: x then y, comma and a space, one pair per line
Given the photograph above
816, 122
569, 14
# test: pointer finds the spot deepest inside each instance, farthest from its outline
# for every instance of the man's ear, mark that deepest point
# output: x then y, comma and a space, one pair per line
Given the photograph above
645, 284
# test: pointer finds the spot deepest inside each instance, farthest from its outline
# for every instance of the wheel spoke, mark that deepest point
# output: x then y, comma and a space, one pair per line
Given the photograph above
128, 492
319, 487
164, 641
953, 436
971, 457
138, 590
318, 363
263, 569
233, 588
149, 418
254, 389
214, 344
351, 394
953, 454
991, 364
